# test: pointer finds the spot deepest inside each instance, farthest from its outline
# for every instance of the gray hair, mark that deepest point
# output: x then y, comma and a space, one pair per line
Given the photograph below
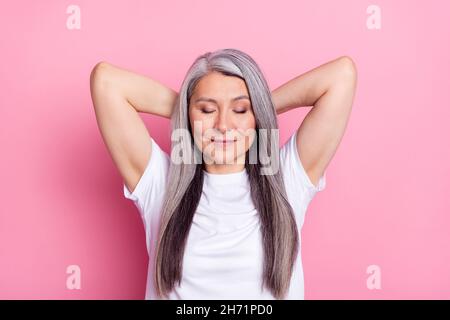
185, 181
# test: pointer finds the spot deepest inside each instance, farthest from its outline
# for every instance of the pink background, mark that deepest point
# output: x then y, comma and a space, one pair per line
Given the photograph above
387, 196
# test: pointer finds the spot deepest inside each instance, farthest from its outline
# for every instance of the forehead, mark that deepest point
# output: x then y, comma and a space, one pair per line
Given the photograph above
218, 86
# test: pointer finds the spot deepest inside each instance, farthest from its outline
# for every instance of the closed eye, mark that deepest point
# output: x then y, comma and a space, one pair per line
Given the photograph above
205, 111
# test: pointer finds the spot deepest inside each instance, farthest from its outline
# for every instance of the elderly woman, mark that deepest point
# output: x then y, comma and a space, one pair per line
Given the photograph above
222, 221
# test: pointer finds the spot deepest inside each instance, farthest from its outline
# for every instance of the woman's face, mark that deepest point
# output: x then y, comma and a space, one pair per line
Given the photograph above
220, 110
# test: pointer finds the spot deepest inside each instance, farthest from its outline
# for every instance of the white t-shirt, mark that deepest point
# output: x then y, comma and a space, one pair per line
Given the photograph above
223, 257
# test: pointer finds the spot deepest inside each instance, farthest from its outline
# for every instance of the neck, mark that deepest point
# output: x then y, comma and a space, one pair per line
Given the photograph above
223, 168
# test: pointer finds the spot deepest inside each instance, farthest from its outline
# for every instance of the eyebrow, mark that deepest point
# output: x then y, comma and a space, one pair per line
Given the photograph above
214, 101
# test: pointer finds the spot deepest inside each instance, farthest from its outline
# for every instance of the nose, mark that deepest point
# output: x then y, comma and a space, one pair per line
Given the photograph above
224, 122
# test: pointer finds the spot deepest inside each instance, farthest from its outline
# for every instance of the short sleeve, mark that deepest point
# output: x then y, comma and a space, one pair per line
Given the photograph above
149, 191
299, 187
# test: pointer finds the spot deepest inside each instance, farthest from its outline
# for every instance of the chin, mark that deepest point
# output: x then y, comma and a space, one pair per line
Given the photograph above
223, 159
220, 156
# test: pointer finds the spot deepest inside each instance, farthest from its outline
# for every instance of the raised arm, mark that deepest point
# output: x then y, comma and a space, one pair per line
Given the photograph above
118, 95
330, 89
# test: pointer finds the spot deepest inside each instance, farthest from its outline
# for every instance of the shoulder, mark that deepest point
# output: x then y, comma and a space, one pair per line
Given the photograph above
293, 171
153, 179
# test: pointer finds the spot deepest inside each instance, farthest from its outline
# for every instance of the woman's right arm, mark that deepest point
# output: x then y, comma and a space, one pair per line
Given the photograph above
118, 95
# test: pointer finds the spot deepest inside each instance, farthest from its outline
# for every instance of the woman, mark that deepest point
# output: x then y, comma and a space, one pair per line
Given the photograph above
220, 222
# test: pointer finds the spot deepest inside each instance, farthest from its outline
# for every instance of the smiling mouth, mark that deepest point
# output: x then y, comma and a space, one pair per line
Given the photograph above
222, 141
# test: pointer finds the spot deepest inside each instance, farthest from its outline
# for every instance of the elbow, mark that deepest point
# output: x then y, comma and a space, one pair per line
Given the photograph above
347, 73
348, 67
101, 78
99, 83
100, 65
98, 71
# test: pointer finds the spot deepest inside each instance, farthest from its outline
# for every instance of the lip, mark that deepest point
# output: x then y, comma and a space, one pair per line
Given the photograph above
223, 142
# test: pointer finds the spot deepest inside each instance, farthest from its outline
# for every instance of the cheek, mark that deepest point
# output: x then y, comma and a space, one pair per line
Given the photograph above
248, 122
200, 128
247, 128
250, 138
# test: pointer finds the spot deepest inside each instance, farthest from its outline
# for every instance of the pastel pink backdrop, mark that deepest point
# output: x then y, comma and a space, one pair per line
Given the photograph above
387, 197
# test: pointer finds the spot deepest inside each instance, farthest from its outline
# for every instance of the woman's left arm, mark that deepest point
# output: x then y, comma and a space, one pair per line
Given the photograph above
330, 89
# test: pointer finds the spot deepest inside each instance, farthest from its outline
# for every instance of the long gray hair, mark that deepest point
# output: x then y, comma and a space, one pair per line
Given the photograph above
185, 181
